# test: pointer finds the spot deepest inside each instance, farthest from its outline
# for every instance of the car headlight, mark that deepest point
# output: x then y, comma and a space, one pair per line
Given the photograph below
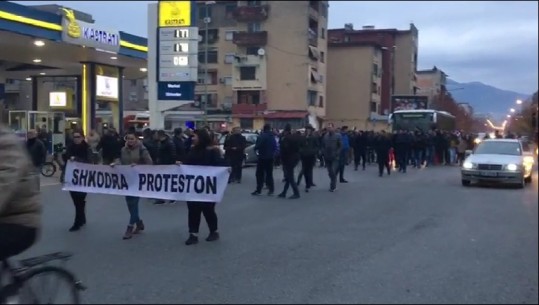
467, 165
477, 141
511, 167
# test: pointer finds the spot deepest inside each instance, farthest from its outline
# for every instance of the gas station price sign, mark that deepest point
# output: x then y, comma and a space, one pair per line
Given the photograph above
178, 54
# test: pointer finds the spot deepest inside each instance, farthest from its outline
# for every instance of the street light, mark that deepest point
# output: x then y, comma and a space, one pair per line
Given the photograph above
512, 110
207, 21
519, 102
508, 116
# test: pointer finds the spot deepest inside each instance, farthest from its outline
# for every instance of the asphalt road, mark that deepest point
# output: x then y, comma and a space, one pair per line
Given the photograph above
408, 238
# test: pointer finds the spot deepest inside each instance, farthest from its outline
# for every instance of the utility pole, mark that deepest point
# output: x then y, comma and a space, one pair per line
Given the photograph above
207, 21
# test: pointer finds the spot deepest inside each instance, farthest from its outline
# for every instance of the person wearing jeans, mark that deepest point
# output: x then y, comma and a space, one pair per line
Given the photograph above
133, 153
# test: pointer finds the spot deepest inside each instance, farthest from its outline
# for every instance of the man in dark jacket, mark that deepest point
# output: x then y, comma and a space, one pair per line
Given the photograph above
402, 144
310, 146
110, 147
382, 144
331, 148
36, 149
265, 148
360, 149
235, 145
290, 156
166, 154
179, 144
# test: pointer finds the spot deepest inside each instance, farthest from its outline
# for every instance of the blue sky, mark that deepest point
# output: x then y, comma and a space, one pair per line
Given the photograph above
488, 41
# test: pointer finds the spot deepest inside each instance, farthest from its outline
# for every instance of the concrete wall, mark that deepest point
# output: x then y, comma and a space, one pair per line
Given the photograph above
349, 85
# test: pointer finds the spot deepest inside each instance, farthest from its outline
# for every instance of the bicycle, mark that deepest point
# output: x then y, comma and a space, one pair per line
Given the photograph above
32, 268
49, 168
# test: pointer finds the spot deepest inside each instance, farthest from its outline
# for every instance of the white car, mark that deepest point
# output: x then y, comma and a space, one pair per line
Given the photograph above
498, 160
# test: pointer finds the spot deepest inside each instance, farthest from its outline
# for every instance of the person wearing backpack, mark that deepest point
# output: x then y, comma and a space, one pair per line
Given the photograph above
133, 153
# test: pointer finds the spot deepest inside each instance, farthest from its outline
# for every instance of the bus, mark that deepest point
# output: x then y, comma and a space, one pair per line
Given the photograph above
422, 119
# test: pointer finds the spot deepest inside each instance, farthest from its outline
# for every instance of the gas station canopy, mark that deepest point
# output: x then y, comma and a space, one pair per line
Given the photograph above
34, 42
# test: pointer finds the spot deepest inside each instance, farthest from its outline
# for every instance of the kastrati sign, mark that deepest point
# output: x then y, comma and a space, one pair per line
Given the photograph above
174, 13
89, 35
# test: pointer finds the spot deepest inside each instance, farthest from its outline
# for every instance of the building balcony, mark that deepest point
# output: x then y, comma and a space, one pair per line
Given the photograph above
249, 108
251, 13
248, 60
313, 14
313, 40
247, 39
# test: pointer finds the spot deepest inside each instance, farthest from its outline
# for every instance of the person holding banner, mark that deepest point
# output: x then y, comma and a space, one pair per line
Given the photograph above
133, 153
202, 153
79, 151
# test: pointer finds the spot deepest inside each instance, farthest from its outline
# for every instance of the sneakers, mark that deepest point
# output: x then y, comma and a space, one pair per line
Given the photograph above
213, 236
192, 240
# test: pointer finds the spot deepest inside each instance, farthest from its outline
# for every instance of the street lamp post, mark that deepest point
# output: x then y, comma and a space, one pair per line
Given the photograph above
204, 100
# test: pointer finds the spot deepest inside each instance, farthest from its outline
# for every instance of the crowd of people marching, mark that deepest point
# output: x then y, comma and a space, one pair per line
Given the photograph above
331, 148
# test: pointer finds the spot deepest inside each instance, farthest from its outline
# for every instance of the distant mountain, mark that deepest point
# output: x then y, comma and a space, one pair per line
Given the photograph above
485, 99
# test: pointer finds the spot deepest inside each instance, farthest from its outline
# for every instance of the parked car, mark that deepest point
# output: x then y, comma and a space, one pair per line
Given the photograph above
250, 154
499, 160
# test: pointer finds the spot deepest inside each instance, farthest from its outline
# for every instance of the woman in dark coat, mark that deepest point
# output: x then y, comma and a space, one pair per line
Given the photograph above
78, 151
202, 153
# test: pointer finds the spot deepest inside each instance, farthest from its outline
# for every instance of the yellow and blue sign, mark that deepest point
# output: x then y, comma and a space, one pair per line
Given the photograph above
175, 13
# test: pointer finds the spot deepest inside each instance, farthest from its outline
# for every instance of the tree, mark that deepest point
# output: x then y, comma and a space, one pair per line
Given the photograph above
444, 101
524, 122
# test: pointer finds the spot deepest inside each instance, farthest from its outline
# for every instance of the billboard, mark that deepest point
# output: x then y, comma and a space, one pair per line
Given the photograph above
409, 102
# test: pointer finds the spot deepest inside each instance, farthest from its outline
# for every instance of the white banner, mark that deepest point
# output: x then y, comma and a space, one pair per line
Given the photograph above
168, 182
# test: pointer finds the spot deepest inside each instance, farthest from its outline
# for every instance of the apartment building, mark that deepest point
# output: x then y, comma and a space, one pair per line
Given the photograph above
431, 82
354, 85
399, 57
279, 67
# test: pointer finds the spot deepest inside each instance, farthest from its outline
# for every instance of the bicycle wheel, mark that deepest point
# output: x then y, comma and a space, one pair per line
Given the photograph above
54, 278
48, 169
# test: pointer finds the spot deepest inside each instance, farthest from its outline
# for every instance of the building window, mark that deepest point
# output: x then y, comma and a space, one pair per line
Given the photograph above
229, 58
253, 27
247, 73
213, 57
322, 56
346, 38
133, 83
321, 101
321, 78
373, 107
249, 97
229, 35
229, 10
209, 79
375, 69
312, 98
211, 99
323, 33
246, 123
374, 88
202, 12
227, 81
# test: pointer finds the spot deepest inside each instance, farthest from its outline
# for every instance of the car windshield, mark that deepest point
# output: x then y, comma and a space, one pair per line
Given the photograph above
499, 148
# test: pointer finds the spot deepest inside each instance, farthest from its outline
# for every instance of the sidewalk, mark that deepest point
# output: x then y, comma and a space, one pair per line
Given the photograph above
50, 181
